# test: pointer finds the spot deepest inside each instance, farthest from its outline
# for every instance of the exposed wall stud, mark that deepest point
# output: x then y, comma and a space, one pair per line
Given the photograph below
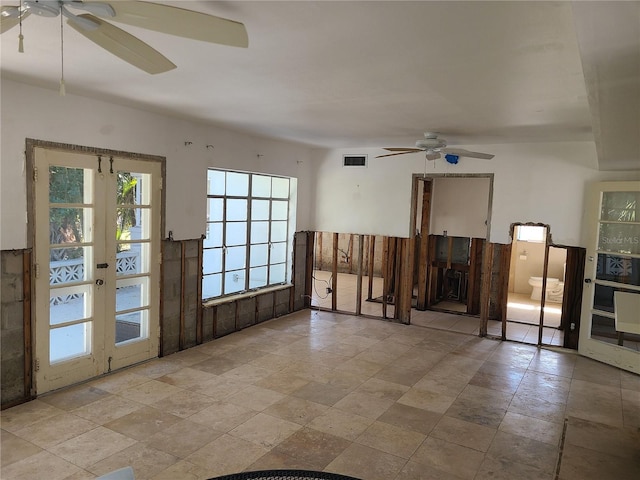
334, 274
359, 280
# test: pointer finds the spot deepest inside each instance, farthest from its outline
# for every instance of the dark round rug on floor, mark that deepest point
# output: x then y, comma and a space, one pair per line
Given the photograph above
284, 475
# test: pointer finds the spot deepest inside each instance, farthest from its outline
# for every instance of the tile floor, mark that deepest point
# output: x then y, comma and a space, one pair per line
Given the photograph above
323, 391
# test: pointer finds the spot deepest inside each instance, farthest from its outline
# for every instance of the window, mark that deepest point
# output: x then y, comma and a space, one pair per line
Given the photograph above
247, 244
531, 233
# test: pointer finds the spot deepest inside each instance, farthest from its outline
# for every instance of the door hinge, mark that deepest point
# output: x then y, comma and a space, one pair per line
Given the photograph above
161, 183
36, 365
37, 270
35, 174
160, 258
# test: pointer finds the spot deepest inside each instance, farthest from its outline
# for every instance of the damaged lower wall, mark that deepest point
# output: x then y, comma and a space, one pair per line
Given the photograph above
15, 352
348, 245
184, 322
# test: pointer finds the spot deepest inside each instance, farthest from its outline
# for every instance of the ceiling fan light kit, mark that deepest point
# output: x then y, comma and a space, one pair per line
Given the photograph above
152, 16
434, 147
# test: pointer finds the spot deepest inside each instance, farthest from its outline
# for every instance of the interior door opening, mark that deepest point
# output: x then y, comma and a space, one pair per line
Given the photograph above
536, 287
451, 220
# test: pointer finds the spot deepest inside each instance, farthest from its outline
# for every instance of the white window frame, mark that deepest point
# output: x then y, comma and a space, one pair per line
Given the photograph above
226, 274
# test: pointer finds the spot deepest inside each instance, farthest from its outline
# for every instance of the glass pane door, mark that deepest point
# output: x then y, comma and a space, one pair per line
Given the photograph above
68, 323
613, 275
97, 263
133, 233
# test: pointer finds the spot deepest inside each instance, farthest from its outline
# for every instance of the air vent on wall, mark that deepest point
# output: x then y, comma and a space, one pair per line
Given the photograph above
354, 160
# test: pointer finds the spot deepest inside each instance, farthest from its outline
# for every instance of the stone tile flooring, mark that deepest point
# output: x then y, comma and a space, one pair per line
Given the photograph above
323, 391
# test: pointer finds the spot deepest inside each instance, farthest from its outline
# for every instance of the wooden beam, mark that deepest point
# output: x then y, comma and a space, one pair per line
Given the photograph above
350, 253
365, 260
199, 327
503, 291
161, 309
181, 337
405, 281
319, 251
475, 272
308, 282
572, 298
334, 274
423, 255
397, 277
385, 274
485, 289
359, 280
372, 258
26, 319
545, 272
432, 286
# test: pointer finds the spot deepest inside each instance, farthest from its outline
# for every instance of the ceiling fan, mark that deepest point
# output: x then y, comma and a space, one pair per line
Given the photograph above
434, 147
152, 16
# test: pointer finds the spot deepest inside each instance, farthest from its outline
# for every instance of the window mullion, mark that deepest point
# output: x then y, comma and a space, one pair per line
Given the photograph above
248, 236
224, 245
269, 243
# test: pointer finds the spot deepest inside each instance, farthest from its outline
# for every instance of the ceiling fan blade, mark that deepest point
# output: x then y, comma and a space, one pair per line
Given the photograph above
402, 149
399, 153
181, 22
124, 45
10, 17
461, 152
100, 9
433, 155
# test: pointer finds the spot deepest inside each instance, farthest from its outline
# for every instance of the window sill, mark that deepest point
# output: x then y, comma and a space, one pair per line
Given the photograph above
254, 293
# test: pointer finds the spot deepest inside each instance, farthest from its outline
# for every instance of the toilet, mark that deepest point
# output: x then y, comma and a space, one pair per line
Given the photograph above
555, 289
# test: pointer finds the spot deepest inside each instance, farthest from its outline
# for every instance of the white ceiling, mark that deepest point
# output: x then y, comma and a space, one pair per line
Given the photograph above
374, 74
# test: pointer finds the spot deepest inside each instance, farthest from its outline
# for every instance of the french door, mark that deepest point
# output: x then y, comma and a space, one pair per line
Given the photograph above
97, 263
611, 299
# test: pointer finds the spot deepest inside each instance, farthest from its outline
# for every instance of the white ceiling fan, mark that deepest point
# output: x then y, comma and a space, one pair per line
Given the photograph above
434, 147
152, 16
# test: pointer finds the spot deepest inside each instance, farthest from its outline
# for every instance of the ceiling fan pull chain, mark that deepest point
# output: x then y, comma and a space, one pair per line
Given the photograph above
62, 88
20, 37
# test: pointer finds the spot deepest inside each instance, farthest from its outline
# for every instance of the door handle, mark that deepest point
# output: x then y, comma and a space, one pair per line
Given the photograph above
587, 280
102, 265
99, 282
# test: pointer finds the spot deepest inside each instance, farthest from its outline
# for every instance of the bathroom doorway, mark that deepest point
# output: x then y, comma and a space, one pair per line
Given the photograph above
536, 287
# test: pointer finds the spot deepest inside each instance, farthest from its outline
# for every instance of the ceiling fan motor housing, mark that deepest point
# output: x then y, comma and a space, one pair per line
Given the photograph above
44, 8
430, 143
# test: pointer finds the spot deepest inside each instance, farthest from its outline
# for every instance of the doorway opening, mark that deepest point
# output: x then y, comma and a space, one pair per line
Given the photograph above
536, 286
451, 218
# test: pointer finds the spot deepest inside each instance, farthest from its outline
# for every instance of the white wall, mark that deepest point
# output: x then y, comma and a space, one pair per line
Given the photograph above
460, 206
532, 183
31, 112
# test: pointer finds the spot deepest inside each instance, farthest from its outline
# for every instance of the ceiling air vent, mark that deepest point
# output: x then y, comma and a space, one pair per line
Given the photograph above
354, 160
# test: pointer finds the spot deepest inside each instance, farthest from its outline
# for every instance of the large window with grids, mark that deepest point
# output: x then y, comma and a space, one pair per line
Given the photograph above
247, 244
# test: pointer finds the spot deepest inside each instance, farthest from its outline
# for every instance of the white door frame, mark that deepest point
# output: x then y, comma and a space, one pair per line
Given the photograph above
106, 355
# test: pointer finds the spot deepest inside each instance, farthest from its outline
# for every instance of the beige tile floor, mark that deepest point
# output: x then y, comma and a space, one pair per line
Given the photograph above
351, 395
